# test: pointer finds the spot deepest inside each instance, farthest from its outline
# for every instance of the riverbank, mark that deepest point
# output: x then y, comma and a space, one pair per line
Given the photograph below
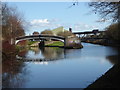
9, 51
66, 47
103, 42
111, 79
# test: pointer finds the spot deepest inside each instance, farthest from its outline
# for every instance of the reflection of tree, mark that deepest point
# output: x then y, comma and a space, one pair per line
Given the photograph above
13, 73
113, 59
52, 53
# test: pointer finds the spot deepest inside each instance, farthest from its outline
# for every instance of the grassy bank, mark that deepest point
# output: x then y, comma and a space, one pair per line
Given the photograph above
32, 42
56, 43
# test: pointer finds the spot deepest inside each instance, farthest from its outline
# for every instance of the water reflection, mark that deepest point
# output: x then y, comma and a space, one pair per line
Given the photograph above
46, 53
114, 55
43, 62
14, 72
74, 68
113, 59
52, 53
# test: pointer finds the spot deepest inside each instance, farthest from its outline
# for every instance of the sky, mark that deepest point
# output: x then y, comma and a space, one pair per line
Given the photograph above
50, 15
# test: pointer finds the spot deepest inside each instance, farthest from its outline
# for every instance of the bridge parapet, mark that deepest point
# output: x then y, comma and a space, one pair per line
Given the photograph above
39, 36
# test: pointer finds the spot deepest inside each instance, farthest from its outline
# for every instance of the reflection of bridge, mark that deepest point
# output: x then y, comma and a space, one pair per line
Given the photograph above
36, 60
40, 37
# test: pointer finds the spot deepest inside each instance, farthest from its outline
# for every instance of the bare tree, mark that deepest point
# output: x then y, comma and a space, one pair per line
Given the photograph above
11, 23
107, 10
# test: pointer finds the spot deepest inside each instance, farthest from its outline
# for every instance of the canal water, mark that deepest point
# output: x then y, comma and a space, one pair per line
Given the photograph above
58, 68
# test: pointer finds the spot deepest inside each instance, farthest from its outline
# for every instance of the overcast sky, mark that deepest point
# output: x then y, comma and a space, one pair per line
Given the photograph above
49, 15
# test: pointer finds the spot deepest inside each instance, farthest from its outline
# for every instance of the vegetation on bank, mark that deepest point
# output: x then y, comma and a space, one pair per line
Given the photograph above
12, 23
113, 32
12, 27
108, 11
18, 48
56, 43
32, 42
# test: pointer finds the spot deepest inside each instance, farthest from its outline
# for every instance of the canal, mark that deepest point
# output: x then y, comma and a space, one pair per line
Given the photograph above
58, 68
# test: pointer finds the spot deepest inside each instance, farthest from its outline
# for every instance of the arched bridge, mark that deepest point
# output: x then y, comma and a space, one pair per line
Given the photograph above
40, 37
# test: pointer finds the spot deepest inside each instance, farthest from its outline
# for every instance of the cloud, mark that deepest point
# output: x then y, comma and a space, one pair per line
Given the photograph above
39, 21
42, 24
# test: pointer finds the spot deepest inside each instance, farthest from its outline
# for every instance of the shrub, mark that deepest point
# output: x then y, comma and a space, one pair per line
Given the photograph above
47, 32
113, 32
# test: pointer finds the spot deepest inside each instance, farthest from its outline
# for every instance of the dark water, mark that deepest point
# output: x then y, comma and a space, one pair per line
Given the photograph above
58, 68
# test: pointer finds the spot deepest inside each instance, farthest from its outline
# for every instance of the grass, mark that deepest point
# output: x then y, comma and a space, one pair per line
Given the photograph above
56, 43
31, 42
